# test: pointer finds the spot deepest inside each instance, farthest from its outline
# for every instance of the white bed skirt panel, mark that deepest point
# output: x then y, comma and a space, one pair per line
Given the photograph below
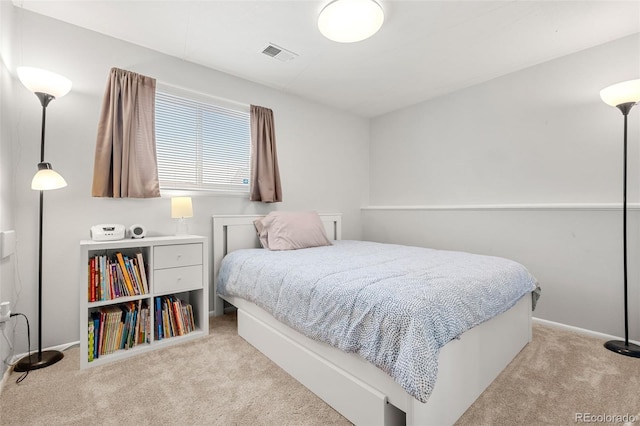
366, 395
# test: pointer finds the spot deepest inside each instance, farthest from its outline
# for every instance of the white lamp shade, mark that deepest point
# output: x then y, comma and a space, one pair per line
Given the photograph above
348, 21
47, 179
181, 207
621, 93
42, 81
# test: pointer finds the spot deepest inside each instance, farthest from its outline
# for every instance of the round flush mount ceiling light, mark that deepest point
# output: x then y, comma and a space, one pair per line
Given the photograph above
348, 21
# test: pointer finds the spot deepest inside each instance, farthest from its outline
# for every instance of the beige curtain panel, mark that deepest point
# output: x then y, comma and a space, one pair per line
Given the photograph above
125, 163
265, 176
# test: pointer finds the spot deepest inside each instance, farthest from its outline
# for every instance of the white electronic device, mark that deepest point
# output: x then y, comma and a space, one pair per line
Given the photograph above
107, 232
137, 231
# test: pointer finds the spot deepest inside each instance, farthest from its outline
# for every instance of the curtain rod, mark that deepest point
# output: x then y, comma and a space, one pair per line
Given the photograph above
184, 89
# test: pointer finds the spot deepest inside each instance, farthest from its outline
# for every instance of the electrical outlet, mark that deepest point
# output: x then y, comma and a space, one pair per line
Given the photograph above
7, 243
5, 312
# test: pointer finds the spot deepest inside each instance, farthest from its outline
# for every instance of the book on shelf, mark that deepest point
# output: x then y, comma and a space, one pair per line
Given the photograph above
91, 279
159, 332
143, 272
125, 273
91, 337
104, 289
117, 275
174, 317
118, 327
166, 322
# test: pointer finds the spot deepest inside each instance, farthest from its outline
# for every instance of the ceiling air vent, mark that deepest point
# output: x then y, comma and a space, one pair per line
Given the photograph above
279, 53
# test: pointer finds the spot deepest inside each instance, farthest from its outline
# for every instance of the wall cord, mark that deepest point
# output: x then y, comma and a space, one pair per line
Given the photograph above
26, 373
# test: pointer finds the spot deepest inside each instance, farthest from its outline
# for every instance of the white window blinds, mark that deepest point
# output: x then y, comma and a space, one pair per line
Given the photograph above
201, 146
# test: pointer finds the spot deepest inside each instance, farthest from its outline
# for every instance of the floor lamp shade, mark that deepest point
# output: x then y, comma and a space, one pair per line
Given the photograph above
46, 178
46, 86
623, 96
42, 81
621, 93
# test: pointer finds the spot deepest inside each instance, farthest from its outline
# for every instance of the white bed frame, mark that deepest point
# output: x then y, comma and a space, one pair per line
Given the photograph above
358, 390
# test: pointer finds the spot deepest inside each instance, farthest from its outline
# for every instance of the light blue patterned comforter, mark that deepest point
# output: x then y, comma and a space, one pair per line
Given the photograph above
394, 305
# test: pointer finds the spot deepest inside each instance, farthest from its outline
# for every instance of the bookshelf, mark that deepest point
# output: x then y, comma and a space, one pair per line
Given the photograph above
162, 300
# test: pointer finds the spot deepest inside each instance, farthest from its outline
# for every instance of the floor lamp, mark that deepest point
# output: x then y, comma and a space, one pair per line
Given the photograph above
46, 86
623, 96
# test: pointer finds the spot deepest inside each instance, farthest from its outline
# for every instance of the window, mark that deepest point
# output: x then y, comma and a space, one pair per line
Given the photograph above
202, 145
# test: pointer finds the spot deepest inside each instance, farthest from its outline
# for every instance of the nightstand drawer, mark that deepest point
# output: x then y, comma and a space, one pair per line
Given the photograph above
177, 255
175, 280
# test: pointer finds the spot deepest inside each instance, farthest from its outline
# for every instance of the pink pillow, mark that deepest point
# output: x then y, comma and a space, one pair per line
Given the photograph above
283, 230
262, 236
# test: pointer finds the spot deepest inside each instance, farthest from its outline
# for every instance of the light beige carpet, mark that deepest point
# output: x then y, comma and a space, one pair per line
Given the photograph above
222, 380
557, 379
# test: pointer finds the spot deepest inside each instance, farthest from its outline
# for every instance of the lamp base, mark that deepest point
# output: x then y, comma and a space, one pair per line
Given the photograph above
182, 228
38, 360
622, 348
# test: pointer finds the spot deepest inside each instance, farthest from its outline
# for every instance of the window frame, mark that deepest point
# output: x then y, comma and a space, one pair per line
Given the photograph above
217, 102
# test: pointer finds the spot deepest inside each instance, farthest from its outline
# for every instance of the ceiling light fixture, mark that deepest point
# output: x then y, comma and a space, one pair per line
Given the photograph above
348, 21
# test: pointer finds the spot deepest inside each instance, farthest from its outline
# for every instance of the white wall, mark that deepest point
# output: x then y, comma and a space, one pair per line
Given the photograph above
534, 137
7, 279
322, 152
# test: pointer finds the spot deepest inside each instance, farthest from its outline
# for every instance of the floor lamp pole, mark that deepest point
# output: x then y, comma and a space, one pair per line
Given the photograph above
624, 348
42, 358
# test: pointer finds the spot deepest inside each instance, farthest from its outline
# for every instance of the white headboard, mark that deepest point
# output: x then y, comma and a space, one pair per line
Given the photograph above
237, 232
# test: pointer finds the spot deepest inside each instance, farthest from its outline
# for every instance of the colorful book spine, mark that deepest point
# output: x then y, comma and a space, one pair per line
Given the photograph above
90, 293
91, 337
158, 318
104, 290
143, 272
125, 274
132, 276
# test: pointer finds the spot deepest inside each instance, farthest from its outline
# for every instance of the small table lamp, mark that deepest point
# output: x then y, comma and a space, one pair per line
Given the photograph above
181, 209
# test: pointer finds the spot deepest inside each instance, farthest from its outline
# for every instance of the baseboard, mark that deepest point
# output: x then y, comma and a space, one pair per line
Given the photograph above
579, 330
5, 378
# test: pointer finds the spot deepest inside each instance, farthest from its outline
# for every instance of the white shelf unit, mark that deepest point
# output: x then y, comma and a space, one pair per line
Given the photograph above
175, 265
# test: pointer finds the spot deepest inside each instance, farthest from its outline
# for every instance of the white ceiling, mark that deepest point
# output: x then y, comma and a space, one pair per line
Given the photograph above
425, 48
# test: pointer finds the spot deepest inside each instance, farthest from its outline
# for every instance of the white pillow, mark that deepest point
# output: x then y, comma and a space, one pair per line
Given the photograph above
283, 230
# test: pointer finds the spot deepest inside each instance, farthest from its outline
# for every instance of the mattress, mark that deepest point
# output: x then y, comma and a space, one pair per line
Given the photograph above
396, 306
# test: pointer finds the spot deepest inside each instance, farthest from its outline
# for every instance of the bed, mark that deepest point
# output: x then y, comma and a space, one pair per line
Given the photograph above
355, 387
